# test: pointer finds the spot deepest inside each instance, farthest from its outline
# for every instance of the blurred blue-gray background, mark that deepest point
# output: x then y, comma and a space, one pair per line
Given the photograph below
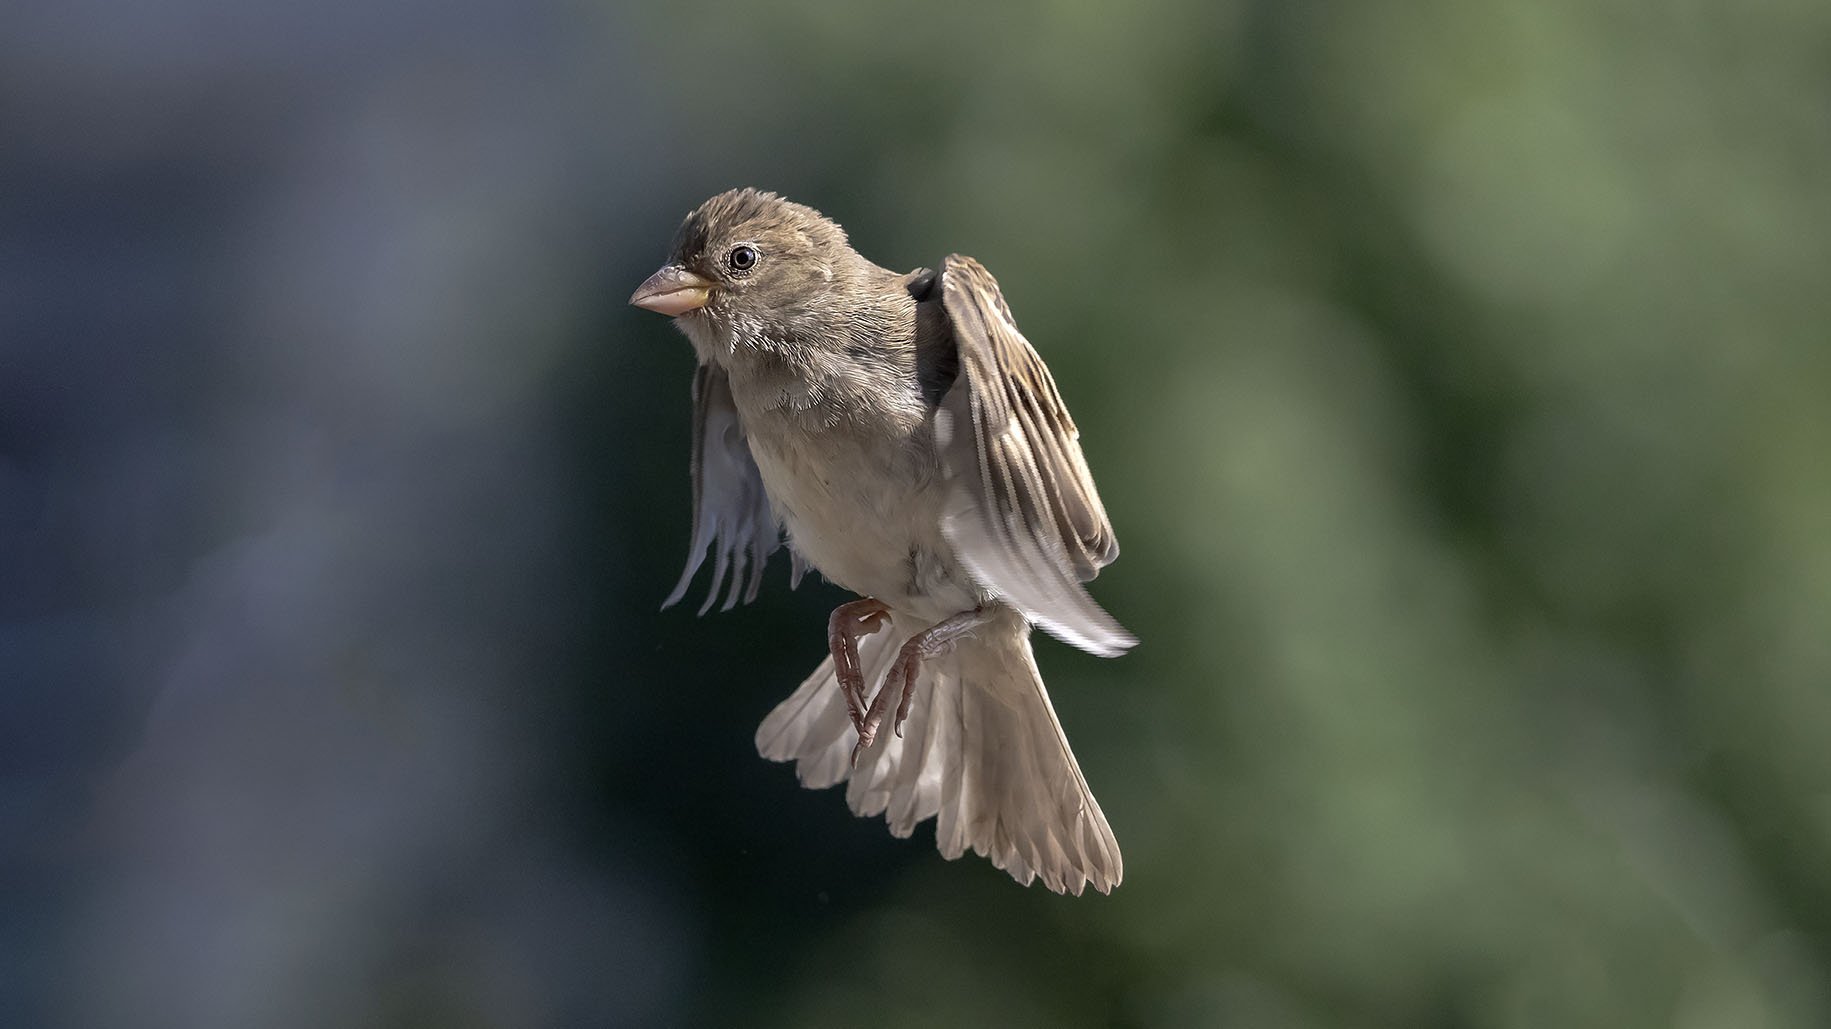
1456, 375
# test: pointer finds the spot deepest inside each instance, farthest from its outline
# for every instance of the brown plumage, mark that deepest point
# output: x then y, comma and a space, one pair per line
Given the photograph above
914, 447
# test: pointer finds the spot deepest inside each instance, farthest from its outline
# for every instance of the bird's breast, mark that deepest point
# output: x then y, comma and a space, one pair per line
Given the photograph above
862, 504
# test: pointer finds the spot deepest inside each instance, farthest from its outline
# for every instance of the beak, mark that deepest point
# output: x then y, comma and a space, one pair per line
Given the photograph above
673, 291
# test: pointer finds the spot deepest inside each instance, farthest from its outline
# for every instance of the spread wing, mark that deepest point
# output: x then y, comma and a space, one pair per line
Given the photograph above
1022, 511
730, 510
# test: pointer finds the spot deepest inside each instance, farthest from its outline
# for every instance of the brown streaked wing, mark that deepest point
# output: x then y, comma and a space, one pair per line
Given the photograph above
1023, 512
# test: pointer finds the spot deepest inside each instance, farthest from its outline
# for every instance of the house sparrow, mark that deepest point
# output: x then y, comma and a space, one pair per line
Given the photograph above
913, 446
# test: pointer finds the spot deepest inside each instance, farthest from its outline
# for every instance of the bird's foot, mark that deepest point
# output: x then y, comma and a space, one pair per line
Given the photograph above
900, 682
848, 623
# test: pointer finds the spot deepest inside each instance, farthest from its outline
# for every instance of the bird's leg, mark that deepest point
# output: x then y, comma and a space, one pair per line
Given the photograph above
901, 679
843, 629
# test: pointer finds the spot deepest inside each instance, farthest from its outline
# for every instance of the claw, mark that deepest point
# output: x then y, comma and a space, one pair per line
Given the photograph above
848, 623
901, 680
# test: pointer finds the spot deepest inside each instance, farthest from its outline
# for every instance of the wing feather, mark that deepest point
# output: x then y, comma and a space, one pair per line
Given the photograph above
731, 515
1022, 512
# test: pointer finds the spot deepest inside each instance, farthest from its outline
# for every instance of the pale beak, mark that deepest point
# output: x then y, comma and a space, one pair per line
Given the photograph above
673, 291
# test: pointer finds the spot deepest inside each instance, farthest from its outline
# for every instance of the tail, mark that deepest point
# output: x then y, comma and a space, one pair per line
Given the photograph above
982, 750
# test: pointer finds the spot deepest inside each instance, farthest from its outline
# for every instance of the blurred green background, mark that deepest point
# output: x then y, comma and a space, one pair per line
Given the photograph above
1455, 375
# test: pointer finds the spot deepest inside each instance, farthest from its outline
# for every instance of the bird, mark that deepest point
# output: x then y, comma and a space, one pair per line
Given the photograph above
912, 447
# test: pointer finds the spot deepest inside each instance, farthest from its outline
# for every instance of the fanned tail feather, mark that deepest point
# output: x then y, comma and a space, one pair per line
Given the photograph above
981, 751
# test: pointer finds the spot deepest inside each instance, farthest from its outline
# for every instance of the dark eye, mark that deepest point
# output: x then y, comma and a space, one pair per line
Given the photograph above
743, 257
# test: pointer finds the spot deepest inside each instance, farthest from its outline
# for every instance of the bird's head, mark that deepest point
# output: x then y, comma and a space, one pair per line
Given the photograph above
748, 258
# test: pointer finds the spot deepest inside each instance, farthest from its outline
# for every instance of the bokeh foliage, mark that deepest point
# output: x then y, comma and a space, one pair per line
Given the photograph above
1455, 375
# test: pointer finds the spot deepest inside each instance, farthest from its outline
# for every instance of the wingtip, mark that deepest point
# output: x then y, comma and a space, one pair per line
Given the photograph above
1109, 639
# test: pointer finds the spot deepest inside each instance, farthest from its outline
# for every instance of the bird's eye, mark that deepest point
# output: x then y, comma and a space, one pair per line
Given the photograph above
743, 257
